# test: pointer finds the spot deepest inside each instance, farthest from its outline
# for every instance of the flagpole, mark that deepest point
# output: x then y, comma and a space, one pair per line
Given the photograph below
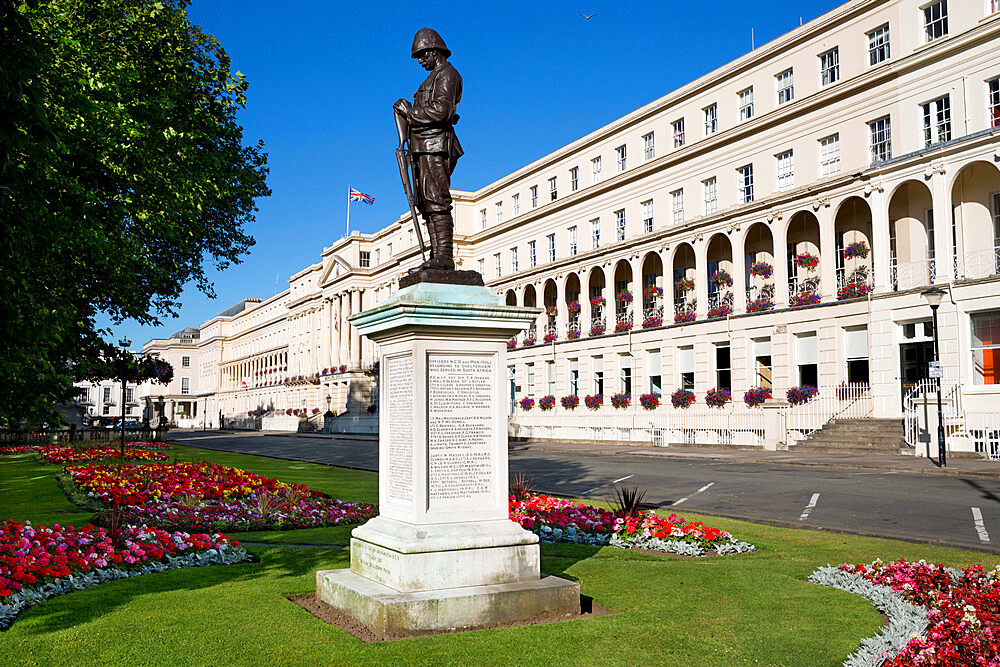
348, 209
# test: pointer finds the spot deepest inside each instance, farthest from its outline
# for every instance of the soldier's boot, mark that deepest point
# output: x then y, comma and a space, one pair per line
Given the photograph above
440, 228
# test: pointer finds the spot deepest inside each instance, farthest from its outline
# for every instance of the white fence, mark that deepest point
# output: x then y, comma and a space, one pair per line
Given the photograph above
983, 429
916, 404
847, 401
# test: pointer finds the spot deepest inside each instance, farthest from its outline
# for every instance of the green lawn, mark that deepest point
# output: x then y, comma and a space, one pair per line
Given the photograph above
734, 610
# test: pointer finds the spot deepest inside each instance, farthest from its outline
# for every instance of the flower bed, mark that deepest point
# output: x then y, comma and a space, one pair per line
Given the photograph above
64, 455
937, 615
649, 401
682, 398
570, 402
41, 563
27, 449
558, 520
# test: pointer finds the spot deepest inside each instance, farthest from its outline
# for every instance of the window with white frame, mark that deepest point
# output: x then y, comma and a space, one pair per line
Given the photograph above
711, 195
595, 233
786, 86
648, 147
620, 224
552, 247
513, 260
129, 394
996, 220
647, 216
986, 347
550, 377
746, 103
185, 362
516, 204
878, 45
723, 366
482, 267
711, 119
829, 155
595, 169
677, 206
107, 409
829, 66
762, 362
937, 120
532, 254
994, 6
107, 395
678, 131
530, 379
388, 251
574, 179
654, 372
553, 190
498, 208
365, 259
621, 153
482, 219
806, 359
993, 101
574, 377
880, 138
786, 171
856, 354
185, 386
572, 240
685, 366
744, 181
935, 20
597, 364
625, 373
533, 192
497, 269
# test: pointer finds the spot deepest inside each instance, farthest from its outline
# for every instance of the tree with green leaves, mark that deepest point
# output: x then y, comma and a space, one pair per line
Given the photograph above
123, 170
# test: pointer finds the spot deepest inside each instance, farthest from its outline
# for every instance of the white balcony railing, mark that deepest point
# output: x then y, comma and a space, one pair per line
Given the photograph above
978, 264
910, 275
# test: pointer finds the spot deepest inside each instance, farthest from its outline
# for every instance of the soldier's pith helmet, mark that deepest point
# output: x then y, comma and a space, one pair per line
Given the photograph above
428, 39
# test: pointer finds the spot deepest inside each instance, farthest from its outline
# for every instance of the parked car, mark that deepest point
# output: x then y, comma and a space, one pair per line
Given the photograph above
117, 424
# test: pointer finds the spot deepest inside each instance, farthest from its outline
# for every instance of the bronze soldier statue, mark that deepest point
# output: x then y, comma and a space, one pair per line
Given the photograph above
434, 148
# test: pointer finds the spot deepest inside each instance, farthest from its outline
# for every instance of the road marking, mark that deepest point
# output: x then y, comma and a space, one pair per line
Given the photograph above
809, 507
977, 519
622, 479
686, 498
614, 481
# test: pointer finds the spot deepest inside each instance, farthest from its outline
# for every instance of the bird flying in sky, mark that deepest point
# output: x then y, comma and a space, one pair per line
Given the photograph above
588, 17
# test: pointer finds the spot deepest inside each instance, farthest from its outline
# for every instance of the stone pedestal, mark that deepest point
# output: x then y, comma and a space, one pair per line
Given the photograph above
443, 553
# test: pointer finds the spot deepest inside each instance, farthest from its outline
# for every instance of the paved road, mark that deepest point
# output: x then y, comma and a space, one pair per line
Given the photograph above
948, 509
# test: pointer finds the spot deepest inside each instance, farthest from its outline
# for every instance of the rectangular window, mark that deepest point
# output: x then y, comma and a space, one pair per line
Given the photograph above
937, 121
595, 167
553, 190
880, 133
513, 260
677, 206
620, 224
107, 394
185, 362
805, 358
993, 105
482, 219
625, 373
678, 127
878, 45
532, 254
762, 362
388, 251
621, 153
647, 216
530, 377
516, 201
711, 120
986, 347
497, 271
572, 240
829, 155
595, 233
498, 207
574, 377
746, 103
996, 219
856, 352
786, 87
550, 377
598, 366
378, 259
185, 386
409, 236
744, 180
829, 67
994, 6
533, 191
723, 366
654, 372
648, 148
365, 260
552, 247
129, 394
711, 196
786, 171
935, 20
574, 179
685, 365
107, 409
482, 267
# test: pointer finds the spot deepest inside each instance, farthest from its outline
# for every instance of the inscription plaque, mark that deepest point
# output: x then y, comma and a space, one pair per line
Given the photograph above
460, 427
399, 400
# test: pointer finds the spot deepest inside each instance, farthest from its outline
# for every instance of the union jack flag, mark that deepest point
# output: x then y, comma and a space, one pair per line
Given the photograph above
358, 195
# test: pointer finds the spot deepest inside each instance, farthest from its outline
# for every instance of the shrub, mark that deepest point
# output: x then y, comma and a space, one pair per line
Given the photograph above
756, 396
621, 400
801, 394
526, 403
547, 402
521, 487
570, 402
717, 398
649, 401
682, 398
594, 402
628, 501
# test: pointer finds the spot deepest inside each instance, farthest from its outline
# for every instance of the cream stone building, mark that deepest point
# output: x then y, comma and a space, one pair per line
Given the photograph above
772, 224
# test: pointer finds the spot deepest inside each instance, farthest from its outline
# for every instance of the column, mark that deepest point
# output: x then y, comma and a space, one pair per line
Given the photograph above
345, 311
827, 253
701, 277
637, 286
562, 316
943, 252
668, 287
585, 318
739, 275
313, 357
328, 332
335, 331
355, 334
880, 239
779, 235
609, 312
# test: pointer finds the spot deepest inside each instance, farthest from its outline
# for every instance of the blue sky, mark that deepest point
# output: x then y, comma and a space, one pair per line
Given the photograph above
323, 77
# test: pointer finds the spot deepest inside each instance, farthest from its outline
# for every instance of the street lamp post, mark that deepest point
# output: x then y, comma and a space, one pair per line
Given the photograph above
124, 343
934, 296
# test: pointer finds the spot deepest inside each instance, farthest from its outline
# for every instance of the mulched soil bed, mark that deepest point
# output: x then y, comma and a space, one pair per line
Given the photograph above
328, 614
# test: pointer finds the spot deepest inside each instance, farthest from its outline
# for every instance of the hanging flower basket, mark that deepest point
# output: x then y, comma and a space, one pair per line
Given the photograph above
859, 249
684, 285
623, 326
652, 322
573, 334
526, 403
853, 291
597, 330
682, 398
570, 402
547, 402
760, 306
762, 269
756, 396
594, 402
624, 296
598, 302
550, 337
551, 311
721, 278
804, 299
652, 292
528, 341
621, 400
720, 311
806, 261
717, 398
573, 306
801, 394
684, 316
649, 401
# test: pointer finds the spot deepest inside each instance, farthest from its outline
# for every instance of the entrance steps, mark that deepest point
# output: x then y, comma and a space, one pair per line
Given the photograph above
857, 436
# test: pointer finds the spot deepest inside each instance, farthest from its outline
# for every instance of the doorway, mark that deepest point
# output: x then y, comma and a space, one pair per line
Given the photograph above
913, 361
